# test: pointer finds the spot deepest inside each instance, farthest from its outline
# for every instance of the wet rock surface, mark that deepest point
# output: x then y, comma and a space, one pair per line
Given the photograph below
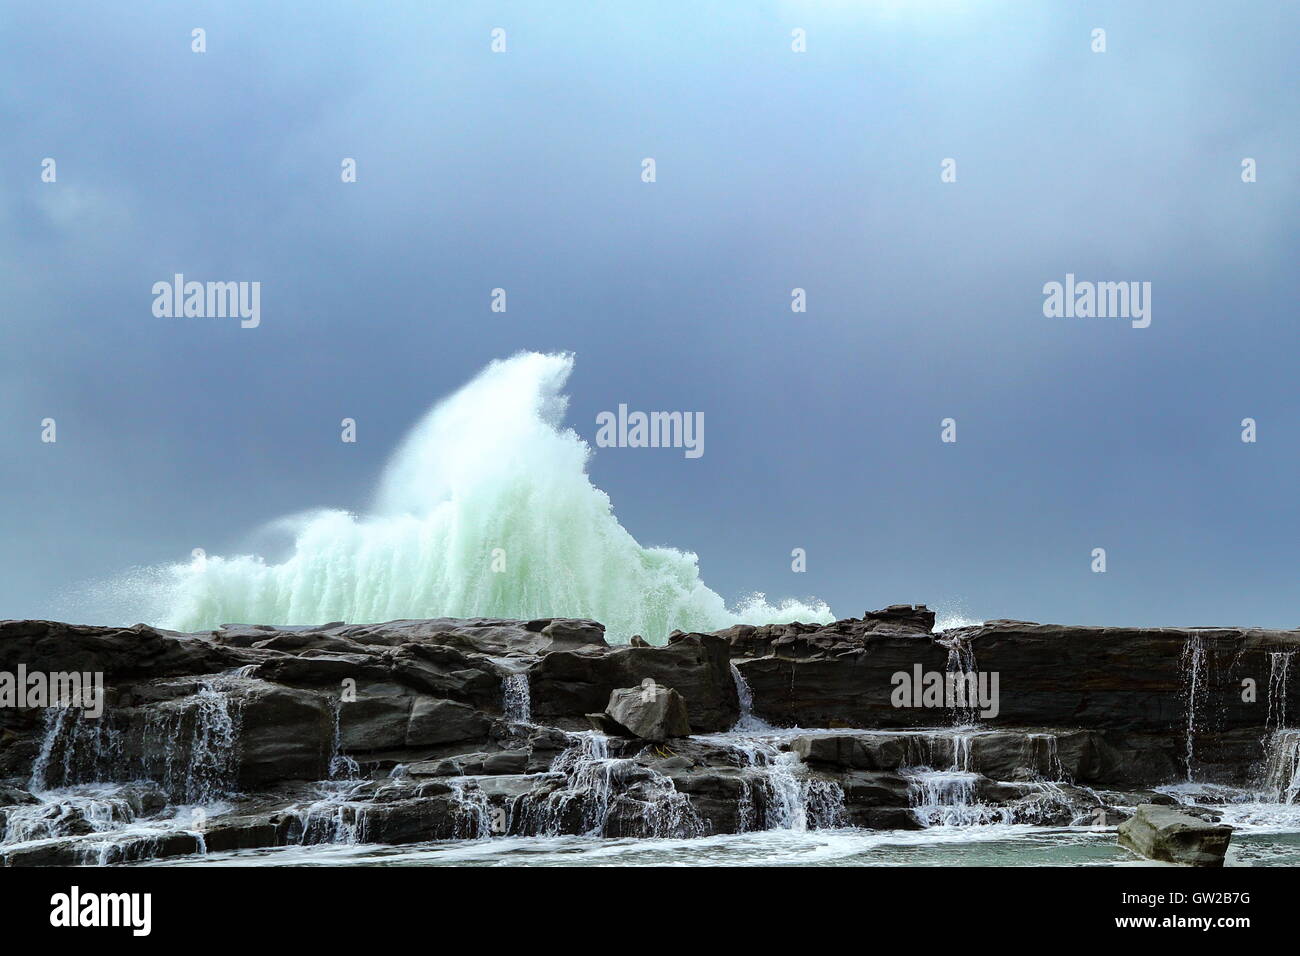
256, 736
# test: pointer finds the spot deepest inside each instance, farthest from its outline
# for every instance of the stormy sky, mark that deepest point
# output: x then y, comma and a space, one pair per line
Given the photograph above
775, 170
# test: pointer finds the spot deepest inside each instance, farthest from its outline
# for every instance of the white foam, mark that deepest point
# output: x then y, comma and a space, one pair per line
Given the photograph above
490, 467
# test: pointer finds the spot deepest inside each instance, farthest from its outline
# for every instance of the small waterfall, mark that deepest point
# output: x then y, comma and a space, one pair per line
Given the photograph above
1279, 671
517, 698
1282, 767
789, 799
473, 812
212, 766
342, 767
593, 789
963, 674
94, 811
58, 720
746, 721
948, 798
1193, 670
76, 748
961, 752
1045, 753
191, 747
928, 749
823, 802
109, 822
339, 816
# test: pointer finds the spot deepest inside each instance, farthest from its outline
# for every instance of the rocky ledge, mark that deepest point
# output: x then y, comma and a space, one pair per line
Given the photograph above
259, 736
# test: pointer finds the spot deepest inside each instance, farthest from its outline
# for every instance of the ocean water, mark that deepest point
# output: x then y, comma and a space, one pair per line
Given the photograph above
994, 845
484, 510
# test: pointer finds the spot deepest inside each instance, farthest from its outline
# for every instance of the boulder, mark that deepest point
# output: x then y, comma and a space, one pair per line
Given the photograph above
1175, 835
649, 711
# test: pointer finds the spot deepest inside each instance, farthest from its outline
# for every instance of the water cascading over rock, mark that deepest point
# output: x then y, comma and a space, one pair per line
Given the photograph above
450, 730
188, 745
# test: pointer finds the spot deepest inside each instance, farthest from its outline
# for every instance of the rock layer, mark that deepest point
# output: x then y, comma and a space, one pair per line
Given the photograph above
458, 729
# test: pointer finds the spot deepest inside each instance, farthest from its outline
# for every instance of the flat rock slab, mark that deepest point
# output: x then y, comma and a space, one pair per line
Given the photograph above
1174, 835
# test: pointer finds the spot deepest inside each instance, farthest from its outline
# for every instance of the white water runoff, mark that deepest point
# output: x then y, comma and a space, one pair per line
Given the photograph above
490, 467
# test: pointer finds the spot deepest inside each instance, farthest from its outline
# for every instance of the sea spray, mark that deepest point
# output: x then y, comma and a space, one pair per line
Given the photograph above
485, 510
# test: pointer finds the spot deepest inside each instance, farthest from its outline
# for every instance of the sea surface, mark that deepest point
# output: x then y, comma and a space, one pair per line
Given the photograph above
993, 845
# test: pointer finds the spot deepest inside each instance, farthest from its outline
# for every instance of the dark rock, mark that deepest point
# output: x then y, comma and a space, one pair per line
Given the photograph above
810, 640
602, 723
1100, 708
445, 721
571, 684
415, 820
885, 818
100, 852
374, 723
116, 652
1116, 679
248, 832
871, 789
15, 796
506, 762
459, 766
285, 734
